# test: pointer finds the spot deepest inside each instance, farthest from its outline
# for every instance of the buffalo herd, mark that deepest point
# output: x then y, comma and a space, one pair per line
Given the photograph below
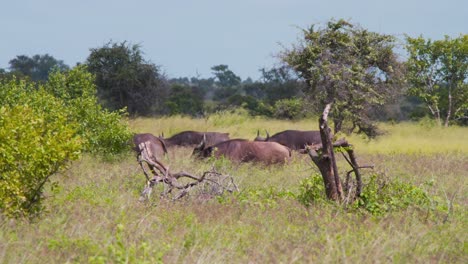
270, 150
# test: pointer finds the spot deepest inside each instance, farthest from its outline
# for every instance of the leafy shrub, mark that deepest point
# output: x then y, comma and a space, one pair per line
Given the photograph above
258, 107
311, 190
42, 127
381, 195
185, 100
288, 109
36, 140
104, 131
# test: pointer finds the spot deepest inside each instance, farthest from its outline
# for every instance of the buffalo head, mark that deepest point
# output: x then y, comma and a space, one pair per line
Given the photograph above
259, 138
201, 150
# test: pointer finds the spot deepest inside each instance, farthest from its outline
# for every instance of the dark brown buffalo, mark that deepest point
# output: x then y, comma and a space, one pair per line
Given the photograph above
157, 145
193, 138
241, 150
293, 139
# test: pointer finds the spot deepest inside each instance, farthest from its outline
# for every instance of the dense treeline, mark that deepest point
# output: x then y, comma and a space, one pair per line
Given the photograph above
338, 62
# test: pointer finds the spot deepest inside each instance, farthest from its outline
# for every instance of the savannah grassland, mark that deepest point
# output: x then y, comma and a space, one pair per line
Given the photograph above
94, 216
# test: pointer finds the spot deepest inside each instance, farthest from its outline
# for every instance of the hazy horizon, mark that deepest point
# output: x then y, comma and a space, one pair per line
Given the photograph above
187, 38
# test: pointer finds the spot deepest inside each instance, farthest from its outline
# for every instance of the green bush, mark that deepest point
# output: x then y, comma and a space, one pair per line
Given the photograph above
36, 141
311, 190
381, 195
288, 109
185, 100
257, 107
104, 131
42, 127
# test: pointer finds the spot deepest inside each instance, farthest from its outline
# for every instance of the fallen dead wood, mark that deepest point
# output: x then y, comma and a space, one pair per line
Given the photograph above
177, 185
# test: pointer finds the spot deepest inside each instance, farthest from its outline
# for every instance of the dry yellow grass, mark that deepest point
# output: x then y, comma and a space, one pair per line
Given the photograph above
408, 138
95, 217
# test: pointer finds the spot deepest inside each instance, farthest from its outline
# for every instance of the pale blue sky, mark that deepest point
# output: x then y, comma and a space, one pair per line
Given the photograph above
189, 37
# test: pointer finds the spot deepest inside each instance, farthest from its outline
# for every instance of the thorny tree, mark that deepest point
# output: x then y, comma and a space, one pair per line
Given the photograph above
349, 66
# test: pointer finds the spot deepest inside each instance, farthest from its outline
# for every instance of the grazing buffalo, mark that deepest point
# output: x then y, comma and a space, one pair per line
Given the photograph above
157, 145
294, 139
193, 138
241, 150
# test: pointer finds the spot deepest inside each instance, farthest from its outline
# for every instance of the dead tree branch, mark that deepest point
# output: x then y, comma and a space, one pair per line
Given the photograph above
217, 183
326, 160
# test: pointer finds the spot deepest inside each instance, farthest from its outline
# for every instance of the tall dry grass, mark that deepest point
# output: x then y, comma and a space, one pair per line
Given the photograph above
405, 138
94, 215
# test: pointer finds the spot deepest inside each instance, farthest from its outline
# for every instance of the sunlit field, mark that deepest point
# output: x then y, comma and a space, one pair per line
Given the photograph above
94, 215
404, 138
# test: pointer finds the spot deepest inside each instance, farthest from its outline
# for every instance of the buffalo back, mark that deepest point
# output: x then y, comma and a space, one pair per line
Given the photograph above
240, 150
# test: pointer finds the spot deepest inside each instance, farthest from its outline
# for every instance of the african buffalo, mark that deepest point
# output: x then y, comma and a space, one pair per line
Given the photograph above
294, 139
241, 150
193, 138
157, 145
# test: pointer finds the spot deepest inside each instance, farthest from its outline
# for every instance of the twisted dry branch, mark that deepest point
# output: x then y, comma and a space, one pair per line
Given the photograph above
215, 182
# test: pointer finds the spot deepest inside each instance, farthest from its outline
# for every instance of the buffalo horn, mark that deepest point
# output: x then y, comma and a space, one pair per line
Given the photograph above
201, 146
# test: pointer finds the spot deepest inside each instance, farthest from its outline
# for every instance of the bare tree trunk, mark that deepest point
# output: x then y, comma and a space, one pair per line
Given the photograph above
355, 167
435, 112
433, 106
449, 110
338, 125
323, 163
326, 162
330, 184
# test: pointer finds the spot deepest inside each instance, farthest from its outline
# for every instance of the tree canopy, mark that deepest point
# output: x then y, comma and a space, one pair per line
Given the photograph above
438, 74
186, 100
36, 67
350, 66
125, 79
